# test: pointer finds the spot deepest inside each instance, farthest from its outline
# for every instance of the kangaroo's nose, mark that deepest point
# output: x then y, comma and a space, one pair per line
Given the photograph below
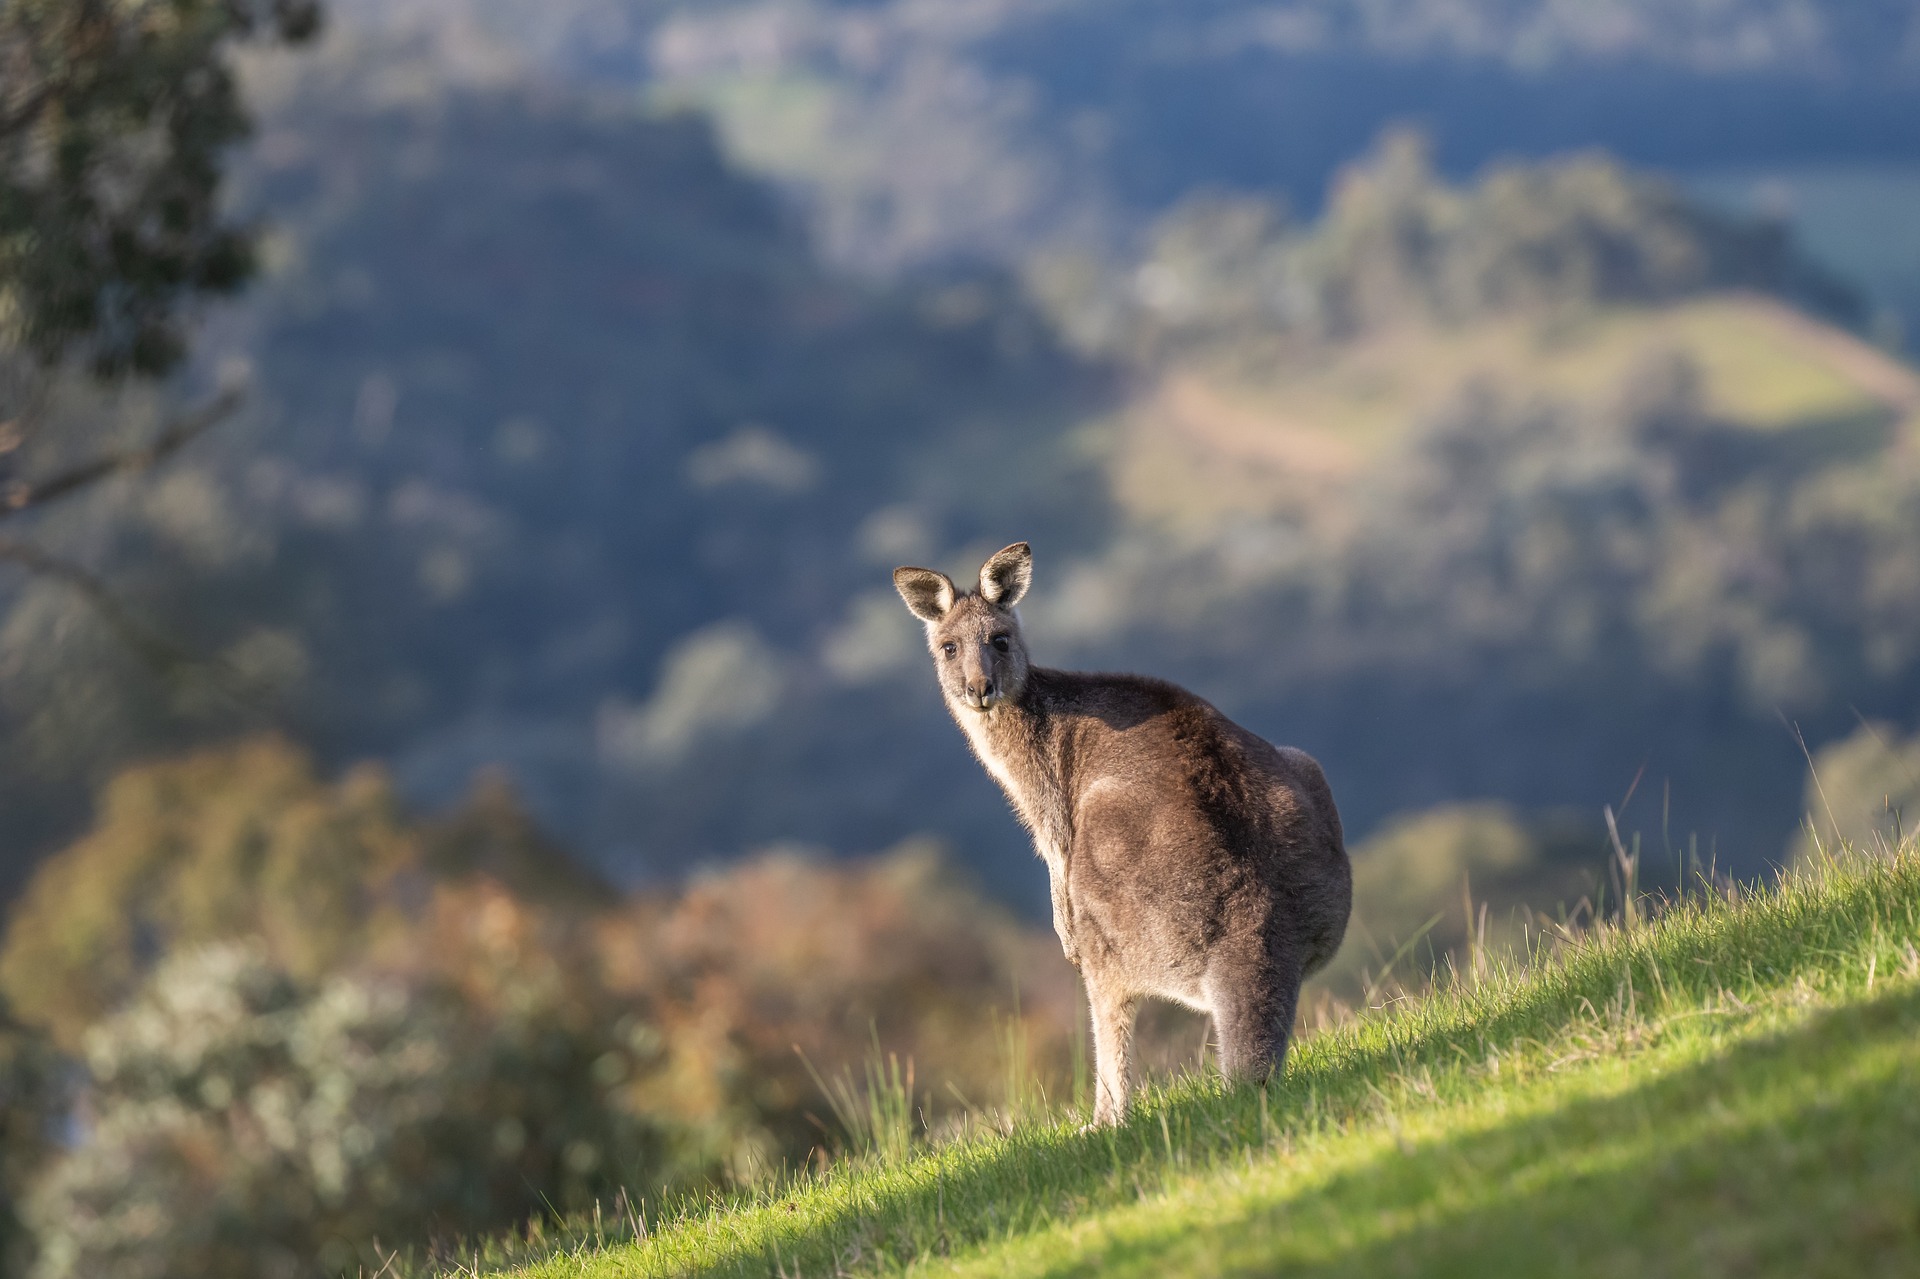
978, 691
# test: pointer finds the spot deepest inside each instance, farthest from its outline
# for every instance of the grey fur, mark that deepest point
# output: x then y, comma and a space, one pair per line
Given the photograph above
1189, 859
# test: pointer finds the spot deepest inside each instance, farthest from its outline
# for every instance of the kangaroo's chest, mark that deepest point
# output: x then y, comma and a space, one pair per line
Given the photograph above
1036, 799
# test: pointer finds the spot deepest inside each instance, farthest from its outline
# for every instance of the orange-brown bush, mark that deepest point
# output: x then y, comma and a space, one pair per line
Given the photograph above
746, 970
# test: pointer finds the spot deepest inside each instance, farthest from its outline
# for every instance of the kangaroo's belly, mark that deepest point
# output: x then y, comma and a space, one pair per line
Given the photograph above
1152, 928
1158, 891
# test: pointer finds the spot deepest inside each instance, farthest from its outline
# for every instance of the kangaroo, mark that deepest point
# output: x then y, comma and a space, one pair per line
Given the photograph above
1189, 859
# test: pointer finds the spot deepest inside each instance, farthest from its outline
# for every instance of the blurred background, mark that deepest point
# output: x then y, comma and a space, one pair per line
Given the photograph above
457, 732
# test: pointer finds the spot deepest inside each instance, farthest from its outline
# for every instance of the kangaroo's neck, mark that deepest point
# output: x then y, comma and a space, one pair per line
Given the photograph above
1020, 742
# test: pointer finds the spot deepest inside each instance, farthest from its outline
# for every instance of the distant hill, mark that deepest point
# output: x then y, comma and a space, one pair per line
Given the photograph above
918, 131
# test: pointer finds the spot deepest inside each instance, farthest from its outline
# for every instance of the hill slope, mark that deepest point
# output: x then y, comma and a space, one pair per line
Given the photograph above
1725, 1091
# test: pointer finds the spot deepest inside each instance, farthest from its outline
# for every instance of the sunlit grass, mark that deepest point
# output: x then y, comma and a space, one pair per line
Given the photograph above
1723, 1090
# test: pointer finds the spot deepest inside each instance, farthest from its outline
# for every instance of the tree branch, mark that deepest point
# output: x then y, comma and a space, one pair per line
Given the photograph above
22, 495
29, 109
154, 647
167, 657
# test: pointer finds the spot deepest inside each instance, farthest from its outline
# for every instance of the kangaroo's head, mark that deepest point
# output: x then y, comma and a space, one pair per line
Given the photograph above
974, 635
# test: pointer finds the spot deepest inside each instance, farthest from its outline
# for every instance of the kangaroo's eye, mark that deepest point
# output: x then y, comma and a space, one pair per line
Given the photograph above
949, 648
1000, 642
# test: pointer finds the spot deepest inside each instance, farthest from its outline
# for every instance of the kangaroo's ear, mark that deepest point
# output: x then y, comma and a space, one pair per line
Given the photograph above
1006, 577
927, 593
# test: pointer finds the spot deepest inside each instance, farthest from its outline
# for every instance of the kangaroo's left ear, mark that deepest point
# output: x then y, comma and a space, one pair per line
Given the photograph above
927, 593
1005, 577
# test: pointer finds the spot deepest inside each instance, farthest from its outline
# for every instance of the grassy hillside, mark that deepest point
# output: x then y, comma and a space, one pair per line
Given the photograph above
1726, 1090
1259, 426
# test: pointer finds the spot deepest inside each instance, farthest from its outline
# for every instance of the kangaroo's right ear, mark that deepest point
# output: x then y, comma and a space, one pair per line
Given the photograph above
1005, 577
927, 593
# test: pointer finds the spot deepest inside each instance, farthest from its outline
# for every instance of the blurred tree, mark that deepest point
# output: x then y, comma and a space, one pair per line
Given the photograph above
112, 128
114, 122
1398, 245
249, 1125
247, 842
309, 1019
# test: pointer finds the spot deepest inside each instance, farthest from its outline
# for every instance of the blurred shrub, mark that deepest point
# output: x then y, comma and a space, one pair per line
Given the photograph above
1862, 791
784, 955
1603, 548
247, 841
244, 1123
1422, 880
1645, 535
31, 1093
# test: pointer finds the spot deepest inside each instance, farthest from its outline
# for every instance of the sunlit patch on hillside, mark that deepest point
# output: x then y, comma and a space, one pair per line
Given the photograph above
1266, 425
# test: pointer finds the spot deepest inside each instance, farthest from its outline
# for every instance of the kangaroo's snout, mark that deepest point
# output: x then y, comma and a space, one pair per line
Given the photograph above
981, 693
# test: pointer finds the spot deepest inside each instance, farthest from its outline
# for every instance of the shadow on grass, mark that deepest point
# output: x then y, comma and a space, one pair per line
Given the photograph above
1794, 1154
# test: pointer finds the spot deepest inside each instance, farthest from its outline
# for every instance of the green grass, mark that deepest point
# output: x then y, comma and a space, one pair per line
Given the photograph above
1734, 1089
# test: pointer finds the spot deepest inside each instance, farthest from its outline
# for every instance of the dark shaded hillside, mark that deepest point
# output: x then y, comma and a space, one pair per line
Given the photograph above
544, 390
627, 399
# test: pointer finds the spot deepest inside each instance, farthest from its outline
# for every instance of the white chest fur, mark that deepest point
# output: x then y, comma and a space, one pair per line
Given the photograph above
1041, 810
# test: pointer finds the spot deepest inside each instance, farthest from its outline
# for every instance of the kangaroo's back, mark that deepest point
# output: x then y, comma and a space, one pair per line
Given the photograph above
1177, 809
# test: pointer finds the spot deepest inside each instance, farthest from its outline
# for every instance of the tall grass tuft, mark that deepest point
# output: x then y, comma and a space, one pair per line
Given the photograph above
876, 1115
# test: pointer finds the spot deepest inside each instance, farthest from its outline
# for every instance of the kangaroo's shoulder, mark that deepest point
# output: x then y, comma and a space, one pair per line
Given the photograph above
1126, 711
1117, 701
1128, 724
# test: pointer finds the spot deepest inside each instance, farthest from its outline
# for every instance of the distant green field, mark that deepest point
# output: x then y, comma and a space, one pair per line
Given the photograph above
1727, 1091
1262, 422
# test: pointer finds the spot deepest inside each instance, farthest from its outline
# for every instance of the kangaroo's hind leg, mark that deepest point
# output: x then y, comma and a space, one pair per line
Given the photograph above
1253, 999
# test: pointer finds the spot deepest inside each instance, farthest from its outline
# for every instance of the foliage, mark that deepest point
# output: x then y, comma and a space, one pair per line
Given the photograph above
1399, 246
784, 970
1637, 536
1723, 1089
1458, 880
243, 1123
1862, 791
32, 1090
113, 128
246, 841
117, 120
